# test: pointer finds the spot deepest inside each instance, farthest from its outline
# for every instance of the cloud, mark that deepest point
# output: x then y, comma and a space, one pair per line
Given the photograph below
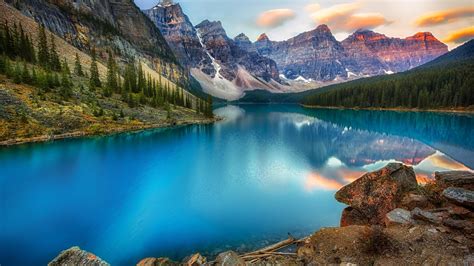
444, 16
344, 18
311, 8
365, 21
275, 17
460, 36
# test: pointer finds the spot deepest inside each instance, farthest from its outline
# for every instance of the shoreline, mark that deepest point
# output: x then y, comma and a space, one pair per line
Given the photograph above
396, 221
109, 132
459, 111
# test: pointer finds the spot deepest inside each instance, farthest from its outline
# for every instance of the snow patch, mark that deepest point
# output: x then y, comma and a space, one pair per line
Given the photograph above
302, 79
388, 72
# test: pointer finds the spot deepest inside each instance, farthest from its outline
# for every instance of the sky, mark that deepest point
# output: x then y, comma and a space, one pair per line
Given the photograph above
451, 21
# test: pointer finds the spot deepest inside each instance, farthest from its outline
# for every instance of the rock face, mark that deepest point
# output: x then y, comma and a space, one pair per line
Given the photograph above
181, 35
118, 24
76, 256
313, 55
378, 54
316, 55
377, 193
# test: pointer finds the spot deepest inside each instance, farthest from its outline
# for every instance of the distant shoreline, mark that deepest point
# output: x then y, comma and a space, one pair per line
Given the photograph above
112, 131
459, 110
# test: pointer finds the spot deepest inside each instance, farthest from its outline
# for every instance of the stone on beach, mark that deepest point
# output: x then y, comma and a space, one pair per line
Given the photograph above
398, 216
460, 196
377, 193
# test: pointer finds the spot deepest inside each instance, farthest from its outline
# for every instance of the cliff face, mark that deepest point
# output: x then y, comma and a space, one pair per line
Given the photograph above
316, 55
377, 52
313, 55
181, 36
118, 24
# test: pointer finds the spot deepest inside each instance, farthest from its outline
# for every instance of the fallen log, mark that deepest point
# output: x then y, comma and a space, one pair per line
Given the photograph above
291, 240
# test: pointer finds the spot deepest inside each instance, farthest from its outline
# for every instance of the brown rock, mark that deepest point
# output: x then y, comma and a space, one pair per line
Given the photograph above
229, 258
377, 193
426, 216
351, 216
412, 200
157, 262
462, 179
76, 256
460, 196
195, 260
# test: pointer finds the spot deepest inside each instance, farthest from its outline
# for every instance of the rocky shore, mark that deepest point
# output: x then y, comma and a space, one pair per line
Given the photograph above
390, 219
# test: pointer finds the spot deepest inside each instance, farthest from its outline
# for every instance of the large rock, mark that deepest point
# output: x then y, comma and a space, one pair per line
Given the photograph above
229, 258
351, 216
377, 193
460, 196
195, 260
76, 256
426, 216
462, 179
398, 216
157, 262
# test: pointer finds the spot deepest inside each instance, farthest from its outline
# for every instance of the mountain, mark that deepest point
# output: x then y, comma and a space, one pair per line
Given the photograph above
376, 52
118, 24
218, 63
181, 36
445, 82
313, 55
317, 56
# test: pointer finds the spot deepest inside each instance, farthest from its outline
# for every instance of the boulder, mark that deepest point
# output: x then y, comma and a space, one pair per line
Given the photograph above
398, 216
462, 179
195, 260
351, 216
426, 216
157, 262
377, 193
77, 256
229, 258
460, 196
413, 200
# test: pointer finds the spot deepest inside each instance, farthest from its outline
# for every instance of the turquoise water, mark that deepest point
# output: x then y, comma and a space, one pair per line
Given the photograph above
263, 172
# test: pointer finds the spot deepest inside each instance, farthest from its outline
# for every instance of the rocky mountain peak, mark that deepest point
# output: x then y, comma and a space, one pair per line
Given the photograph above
423, 36
323, 28
365, 35
211, 27
263, 38
242, 37
166, 3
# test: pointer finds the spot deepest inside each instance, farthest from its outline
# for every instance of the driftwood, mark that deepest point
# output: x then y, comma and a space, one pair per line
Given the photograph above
271, 250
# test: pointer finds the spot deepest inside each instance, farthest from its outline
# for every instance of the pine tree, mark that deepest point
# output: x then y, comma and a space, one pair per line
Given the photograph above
66, 83
25, 75
111, 75
94, 81
17, 74
43, 53
78, 67
55, 63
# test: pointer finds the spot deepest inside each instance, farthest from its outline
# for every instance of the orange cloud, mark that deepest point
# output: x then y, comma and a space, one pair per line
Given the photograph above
460, 36
343, 18
311, 8
365, 21
444, 16
275, 17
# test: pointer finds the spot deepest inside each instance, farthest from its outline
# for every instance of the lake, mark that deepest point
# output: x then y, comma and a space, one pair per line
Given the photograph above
244, 182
